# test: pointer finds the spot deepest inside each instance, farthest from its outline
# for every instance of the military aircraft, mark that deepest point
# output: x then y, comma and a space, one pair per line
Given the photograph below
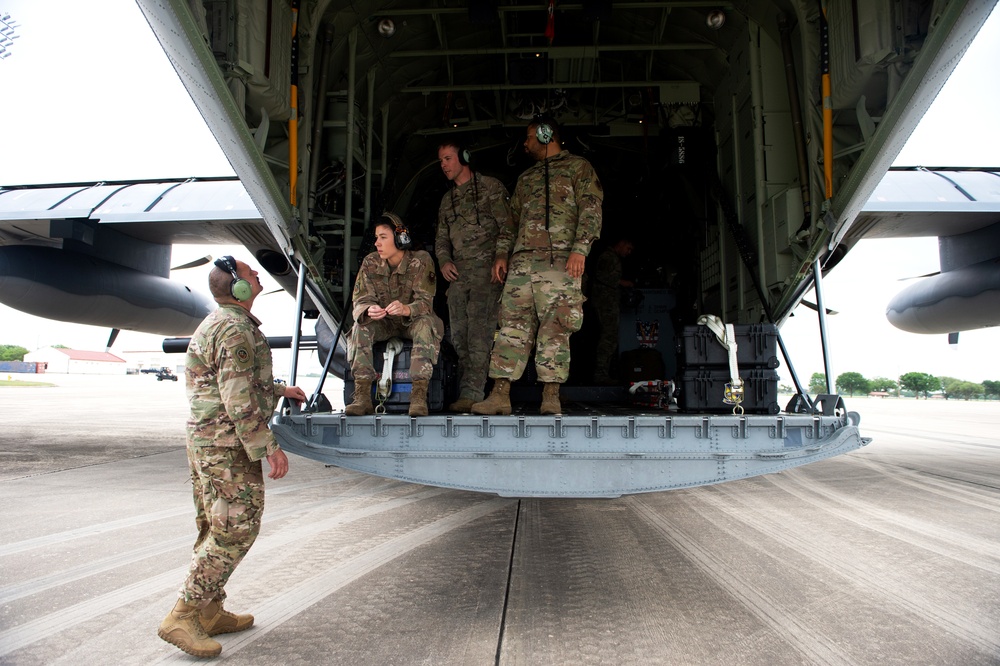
736, 141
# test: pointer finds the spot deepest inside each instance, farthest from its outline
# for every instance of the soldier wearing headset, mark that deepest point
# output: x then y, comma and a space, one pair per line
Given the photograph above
394, 296
470, 217
555, 218
233, 396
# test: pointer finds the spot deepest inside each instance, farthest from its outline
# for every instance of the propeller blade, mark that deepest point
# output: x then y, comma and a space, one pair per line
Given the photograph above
194, 264
112, 338
813, 306
917, 277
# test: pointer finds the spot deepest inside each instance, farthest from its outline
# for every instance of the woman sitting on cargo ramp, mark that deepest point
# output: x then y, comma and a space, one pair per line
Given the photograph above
394, 296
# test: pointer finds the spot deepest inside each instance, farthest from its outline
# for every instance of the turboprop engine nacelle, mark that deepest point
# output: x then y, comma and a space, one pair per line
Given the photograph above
69, 286
956, 300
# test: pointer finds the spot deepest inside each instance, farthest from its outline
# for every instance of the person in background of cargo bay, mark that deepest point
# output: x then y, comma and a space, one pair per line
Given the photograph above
555, 218
394, 296
233, 396
605, 296
469, 220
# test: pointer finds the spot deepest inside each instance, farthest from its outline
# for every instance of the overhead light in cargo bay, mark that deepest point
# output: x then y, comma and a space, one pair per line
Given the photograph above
715, 19
386, 28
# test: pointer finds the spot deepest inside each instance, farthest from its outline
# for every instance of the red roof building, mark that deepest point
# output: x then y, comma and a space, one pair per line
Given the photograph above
77, 361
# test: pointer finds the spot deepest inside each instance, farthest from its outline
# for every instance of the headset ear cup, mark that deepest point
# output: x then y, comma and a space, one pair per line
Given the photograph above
241, 289
543, 132
401, 238
400, 234
464, 157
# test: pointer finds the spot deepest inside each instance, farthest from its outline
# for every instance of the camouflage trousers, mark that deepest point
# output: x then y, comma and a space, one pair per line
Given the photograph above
425, 332
229, 502
607, 308
541, 305
473, 307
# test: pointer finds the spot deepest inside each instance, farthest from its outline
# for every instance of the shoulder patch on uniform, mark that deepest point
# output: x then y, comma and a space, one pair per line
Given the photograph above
240, 350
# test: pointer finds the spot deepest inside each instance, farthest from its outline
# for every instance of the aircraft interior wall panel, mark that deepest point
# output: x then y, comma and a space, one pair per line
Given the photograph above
861, 37
733, 274
266, 49
780, 163
743, 189
747, 167
782, 215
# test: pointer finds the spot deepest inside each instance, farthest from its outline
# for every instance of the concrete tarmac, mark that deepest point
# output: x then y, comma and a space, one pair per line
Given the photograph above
888, 555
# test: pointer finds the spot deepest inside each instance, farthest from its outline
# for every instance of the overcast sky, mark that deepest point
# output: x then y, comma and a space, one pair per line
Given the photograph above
89, 95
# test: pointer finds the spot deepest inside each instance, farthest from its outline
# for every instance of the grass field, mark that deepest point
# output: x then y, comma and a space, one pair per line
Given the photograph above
19, 382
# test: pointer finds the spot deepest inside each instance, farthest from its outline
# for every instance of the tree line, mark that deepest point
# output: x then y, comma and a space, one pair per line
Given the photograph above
915, 383
12, 353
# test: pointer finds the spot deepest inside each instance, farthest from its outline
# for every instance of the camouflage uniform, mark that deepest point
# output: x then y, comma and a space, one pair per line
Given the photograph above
606, 299
411, 283
469, 221
539, 296
231, 390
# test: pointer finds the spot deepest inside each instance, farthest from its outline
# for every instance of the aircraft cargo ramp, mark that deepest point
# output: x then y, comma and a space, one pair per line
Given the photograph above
575, 455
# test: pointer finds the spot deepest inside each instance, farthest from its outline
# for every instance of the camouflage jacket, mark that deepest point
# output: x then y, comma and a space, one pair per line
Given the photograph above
230, 384
411, 283
469, 220
575, 199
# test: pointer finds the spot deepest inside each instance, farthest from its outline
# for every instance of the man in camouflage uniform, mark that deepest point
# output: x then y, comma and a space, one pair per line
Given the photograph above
469, 220
394, 296
233, 396
555, 217
605, 296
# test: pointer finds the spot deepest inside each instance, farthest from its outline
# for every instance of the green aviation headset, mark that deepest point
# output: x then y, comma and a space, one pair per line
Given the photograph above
543, 131
240, 289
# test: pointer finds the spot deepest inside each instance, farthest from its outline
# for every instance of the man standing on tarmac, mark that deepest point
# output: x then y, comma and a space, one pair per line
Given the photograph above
555, 218
469, 220
233, 396
394, 296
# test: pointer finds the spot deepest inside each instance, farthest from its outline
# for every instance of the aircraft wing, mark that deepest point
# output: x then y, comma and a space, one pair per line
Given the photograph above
213, 210
99, 253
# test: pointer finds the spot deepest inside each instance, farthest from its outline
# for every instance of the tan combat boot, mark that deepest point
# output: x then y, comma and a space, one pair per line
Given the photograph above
362, 399
462, 405
216, 620
550, 398
182, 627
498, 402
418, 398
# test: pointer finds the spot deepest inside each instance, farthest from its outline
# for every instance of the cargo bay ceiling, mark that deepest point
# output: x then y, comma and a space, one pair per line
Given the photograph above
420, 68
620, 74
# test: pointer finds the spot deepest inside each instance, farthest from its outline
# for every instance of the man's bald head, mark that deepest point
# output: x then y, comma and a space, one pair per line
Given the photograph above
219, 282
